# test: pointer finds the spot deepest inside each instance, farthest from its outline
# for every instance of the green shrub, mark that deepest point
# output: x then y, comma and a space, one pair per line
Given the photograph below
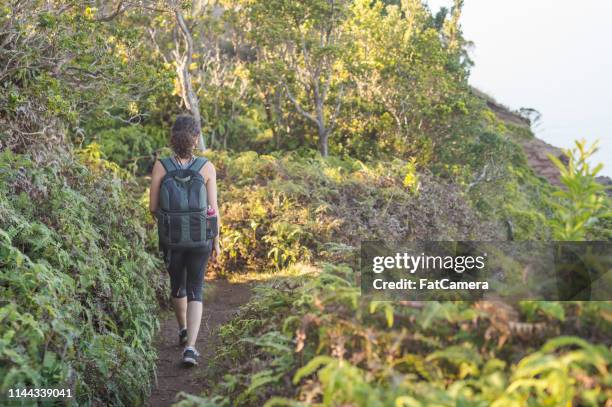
313, 339
279, 210
582, 202
78, 286
132, 147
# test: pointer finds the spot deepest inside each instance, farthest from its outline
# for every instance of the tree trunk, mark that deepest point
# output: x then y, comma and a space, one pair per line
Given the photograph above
183, 62
320, 116
323, 141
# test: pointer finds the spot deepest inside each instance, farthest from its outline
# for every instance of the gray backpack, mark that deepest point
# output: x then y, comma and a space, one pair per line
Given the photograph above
182, 206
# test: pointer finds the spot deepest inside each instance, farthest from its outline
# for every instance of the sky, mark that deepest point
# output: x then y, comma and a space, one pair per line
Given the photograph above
553, 56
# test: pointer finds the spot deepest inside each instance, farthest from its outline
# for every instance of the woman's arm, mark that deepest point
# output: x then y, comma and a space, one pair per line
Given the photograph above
210, 177
156, 178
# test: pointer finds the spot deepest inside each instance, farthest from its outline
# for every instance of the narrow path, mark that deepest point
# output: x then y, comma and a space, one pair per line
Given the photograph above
221, 300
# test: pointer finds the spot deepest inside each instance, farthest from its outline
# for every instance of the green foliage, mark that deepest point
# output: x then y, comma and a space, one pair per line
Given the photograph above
65, 68
357, 352
553, 375
582, 200
297, 205
504, 187
76, 280
342, 382
548, 308
411, 180
408, 84
283, 74
338, 348
132, 147
417, 156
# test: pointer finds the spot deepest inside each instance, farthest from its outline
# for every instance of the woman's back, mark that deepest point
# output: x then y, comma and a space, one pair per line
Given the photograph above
183, 191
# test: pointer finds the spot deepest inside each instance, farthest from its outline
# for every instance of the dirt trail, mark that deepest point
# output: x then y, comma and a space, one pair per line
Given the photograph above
221, 300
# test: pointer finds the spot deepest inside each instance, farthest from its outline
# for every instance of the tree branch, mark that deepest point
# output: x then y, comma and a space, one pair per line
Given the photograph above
297, 105
189, 97
119, 10
332, 121
151, 32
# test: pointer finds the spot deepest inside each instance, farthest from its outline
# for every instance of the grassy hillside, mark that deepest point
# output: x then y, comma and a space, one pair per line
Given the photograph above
308, 336
289, 207
312, 339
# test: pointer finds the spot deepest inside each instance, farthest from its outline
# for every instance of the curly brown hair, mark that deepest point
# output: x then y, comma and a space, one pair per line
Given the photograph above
184, 135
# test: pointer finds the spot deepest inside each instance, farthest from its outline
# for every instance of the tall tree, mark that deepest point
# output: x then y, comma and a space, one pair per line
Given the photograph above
405, 64
302, 44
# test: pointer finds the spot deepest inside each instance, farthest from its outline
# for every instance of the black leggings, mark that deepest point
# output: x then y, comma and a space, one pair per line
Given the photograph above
186, 268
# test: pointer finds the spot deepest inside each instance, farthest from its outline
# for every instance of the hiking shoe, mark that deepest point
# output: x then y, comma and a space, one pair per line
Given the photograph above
182, 336
190, 356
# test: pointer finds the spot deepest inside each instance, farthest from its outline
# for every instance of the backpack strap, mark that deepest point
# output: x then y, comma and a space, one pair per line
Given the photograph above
168, 164
197, 164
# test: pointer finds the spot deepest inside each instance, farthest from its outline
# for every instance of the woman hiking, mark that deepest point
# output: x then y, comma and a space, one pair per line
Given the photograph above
183, 197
